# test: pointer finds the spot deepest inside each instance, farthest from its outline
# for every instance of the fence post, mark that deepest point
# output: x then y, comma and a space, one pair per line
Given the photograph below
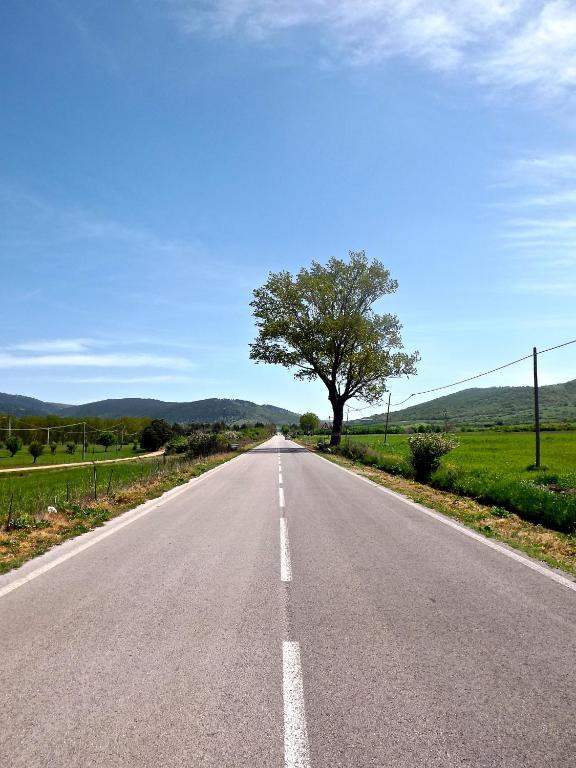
9, 518
109, 482
67, 490
387, 417
95, 481
536, 408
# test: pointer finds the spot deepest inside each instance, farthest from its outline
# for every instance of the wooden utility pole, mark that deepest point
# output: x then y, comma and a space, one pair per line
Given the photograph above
387, 417
536, 408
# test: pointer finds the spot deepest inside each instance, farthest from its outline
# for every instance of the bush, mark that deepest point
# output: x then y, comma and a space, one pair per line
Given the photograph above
14, 444
71, 448
426, 451
206, 443
178, 444
155, 435
35, 449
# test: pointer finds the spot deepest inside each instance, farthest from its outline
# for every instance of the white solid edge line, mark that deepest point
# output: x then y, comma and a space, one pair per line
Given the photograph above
115, 526
281, 500
541, 569
296, 746
285, 562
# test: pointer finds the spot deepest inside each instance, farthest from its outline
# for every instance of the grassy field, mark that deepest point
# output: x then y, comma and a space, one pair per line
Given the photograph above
61, 456
31, 493
494, 468
502, 452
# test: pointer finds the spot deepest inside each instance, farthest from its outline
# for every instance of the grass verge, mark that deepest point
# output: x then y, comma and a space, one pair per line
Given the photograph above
552, 547
32, 535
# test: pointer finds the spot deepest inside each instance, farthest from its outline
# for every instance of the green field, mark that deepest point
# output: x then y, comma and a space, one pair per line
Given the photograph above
502, 452
61, 456
494, 468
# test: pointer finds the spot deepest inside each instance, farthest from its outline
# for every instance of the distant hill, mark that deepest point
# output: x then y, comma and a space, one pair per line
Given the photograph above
489, 405
210, 410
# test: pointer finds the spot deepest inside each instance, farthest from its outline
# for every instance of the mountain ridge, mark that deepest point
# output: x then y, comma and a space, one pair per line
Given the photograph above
477, 405
207, 410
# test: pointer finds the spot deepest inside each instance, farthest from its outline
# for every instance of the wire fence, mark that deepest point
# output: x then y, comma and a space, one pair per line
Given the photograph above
33, 494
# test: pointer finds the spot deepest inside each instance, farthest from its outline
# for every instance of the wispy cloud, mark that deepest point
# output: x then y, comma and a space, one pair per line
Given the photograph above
168, 379
506, 44
544, 238
118, 360
54, 345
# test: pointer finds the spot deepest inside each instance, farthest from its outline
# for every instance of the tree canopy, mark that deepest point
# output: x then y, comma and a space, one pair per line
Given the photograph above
309, 423
322, 323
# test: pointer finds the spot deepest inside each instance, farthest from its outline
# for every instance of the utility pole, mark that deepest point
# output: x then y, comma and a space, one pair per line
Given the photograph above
387, 417
9, 426
48, 436
536, 408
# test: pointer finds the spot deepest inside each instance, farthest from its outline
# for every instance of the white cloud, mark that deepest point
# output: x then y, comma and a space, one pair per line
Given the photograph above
168, 379
544, 239
54, 345
503, 43
118, 360
542, 53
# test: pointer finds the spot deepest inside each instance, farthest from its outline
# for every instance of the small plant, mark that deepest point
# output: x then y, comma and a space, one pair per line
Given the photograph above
35, 449
426, 450
14, 444
106, 439
499, 512
53, 448
71, 448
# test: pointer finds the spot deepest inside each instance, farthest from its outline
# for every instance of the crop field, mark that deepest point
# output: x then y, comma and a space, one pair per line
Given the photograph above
61, 456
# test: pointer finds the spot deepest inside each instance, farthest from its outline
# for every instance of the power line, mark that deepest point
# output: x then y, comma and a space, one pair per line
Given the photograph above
471, 378
485, 373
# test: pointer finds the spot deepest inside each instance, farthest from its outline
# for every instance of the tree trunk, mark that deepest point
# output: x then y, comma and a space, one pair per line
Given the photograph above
338, 408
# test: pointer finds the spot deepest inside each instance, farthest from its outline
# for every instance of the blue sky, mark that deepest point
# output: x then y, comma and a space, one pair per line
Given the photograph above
160, 157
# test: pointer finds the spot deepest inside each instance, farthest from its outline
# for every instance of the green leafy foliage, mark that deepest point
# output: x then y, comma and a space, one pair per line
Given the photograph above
309, 423
14, 444
106, 439
426, 450
155, 435
35, 449
321, 322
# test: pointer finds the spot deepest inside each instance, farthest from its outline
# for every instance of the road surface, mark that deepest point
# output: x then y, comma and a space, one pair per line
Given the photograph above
280, 611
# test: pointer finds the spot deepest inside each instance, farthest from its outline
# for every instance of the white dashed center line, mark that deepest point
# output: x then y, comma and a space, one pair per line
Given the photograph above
296, 748
285, 563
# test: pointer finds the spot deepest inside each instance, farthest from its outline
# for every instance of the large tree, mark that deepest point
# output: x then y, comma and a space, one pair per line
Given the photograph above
322, 323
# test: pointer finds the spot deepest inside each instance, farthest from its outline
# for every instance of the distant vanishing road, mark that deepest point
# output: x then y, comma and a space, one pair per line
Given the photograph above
281, 611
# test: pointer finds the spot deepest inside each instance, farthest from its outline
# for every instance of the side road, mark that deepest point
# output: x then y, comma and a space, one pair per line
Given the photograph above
72, 464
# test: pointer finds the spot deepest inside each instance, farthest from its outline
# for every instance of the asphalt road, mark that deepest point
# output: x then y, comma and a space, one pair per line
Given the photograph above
281, 611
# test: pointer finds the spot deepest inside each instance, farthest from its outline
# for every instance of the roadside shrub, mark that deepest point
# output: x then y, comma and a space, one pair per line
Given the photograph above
426, 450
71, 448
178, 444
206, 443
